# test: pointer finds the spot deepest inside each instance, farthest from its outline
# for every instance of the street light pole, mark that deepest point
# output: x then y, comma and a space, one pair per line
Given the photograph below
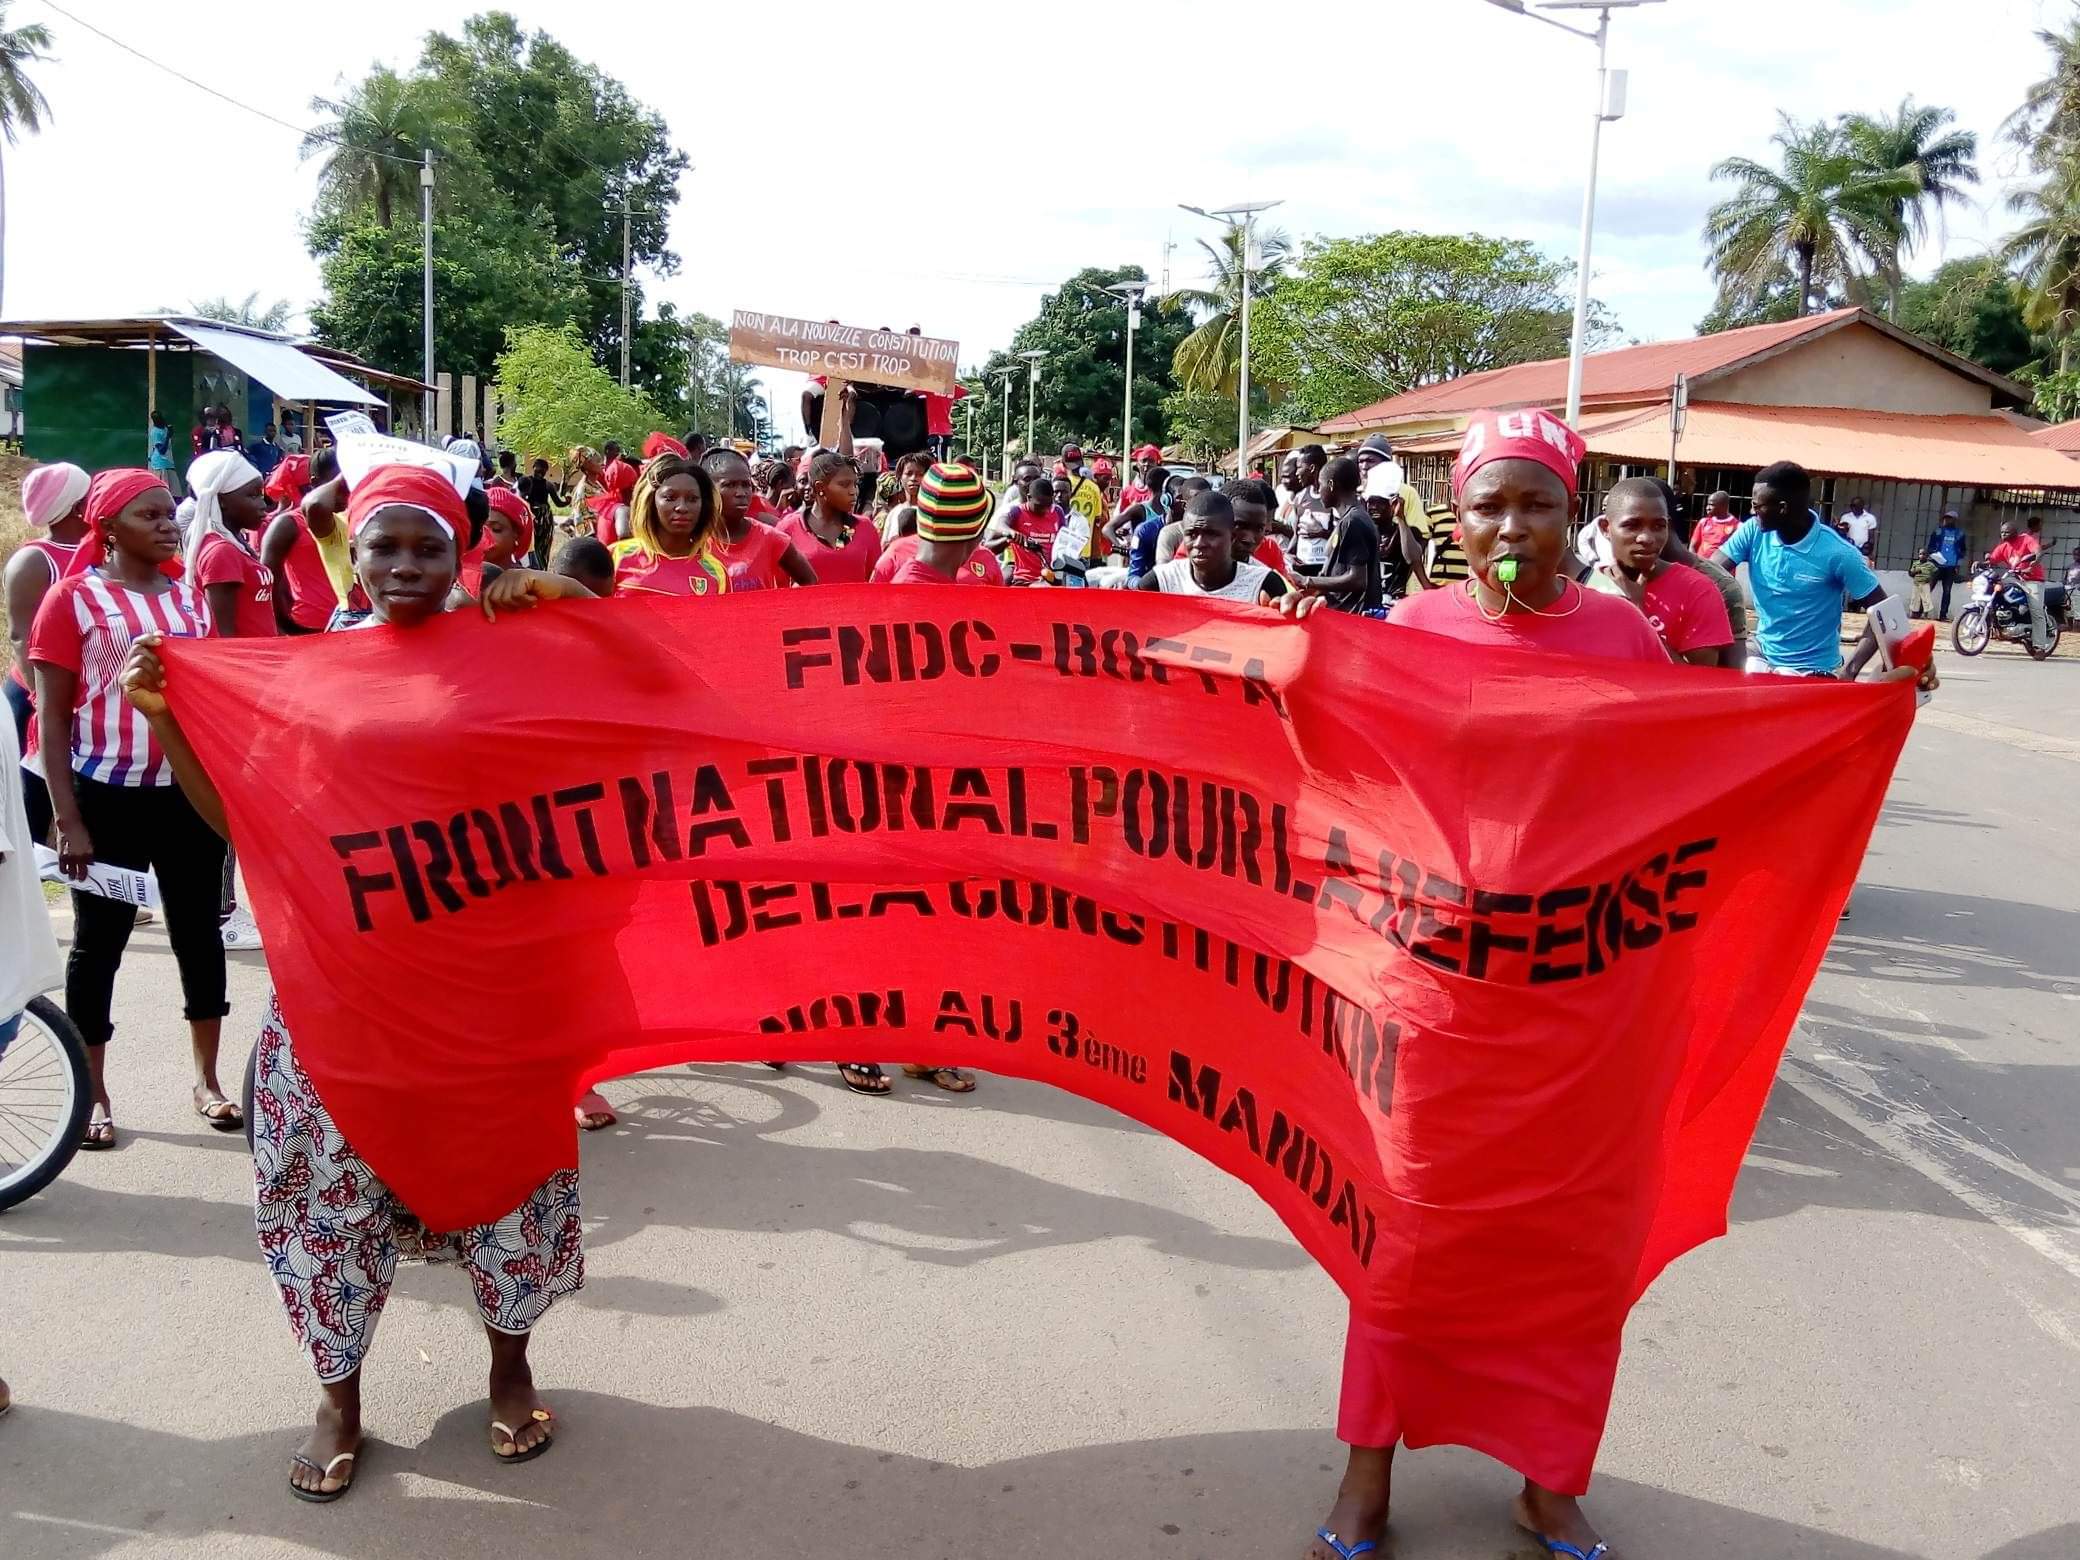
1610, 105
1004, 378
426, 253
1032, 394
1242, 216
1131, 292
627, 218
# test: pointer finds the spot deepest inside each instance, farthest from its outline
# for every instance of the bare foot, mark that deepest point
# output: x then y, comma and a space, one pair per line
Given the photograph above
1359, 1517
515, 1404
1559, 1517
334, 1432
593, 1112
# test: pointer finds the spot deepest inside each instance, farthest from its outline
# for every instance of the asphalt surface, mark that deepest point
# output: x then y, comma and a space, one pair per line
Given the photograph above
1013, 1325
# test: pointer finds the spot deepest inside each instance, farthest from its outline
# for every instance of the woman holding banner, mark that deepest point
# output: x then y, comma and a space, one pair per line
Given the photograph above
331, 1230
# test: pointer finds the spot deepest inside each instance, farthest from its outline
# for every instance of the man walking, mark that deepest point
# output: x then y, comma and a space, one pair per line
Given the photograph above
1860, 526
1799, 571
1946, 549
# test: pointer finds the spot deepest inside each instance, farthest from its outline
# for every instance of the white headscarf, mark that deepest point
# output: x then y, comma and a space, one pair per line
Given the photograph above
209, 478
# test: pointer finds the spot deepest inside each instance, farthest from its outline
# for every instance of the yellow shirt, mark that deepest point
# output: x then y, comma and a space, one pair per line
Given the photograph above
332, 552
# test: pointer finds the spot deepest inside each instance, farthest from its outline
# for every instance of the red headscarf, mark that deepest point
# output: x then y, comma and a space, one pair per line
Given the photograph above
415, 487
107, 495
1523, 435
504, 501
290, 480
664, 444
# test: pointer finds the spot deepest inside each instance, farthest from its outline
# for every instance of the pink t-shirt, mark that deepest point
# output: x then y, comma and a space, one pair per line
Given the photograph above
1686, 610
754, 562
1581, 622
982, 565
852, 564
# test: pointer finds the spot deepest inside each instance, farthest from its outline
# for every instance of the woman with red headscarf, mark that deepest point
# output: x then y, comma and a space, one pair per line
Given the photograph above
332, 1232
305, 543
508, 537
111, 785
1515, 484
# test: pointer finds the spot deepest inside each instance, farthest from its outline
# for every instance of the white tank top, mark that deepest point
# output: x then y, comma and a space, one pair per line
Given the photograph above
1175, 579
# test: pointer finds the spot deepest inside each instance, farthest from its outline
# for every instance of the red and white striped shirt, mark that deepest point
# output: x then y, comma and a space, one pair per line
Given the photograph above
56, 555
86, 624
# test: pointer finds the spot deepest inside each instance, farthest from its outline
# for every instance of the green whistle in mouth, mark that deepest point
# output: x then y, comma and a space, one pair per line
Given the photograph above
1506, 571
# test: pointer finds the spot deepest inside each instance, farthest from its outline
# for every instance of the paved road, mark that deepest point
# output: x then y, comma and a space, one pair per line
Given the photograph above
1016, 1326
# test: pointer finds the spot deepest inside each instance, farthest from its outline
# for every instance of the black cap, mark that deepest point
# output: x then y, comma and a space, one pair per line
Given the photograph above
1378, 444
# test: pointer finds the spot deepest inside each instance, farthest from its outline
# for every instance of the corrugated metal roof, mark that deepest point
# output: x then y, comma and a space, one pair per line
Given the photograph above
1642, 373
1961, 449
2061, 436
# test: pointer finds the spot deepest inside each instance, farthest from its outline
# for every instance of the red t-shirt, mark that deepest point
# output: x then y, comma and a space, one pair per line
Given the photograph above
220, 561
2023, 554
1592, 625
1711, 532
852, 564
311, 596
754, 562
982, 566
636, 573
1686, 610
915, 571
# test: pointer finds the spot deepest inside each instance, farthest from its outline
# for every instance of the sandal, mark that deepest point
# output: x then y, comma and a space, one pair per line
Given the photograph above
951, 1079
321, 1497
1560, 1546
864, 1077
100, 1131
541, 1417
1347, 1551
222, 1114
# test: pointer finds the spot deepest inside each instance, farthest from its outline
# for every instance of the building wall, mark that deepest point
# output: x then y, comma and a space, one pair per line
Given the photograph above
1857, 367
87, 404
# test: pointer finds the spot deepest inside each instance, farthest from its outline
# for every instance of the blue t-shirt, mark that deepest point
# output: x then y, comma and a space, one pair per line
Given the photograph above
1947, 543
158, 441
1798, 591
1146, 535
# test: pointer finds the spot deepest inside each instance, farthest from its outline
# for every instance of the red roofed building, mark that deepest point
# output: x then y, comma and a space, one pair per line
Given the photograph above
1871, 410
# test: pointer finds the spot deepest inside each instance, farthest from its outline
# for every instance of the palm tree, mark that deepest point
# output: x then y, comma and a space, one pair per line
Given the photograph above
2045, 251
1822, 212
372, 141
2048, 122
274, 317
1914, 145
21, 101
1209, 360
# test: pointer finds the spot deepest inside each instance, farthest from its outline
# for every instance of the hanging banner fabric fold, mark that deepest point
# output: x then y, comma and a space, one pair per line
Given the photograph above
1476, 965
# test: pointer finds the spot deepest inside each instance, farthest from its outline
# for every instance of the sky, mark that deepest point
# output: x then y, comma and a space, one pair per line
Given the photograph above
1028, 142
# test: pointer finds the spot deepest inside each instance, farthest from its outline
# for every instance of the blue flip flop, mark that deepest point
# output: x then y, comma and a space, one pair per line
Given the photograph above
1560, 1546
1347, 1551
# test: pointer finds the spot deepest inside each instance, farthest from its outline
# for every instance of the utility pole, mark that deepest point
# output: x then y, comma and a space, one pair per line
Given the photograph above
627, 216
1131, 292
426, 251
1004, 379
1033, 358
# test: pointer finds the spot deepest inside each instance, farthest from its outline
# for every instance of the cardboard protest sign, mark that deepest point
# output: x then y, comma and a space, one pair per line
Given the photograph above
1476, 965
845, 352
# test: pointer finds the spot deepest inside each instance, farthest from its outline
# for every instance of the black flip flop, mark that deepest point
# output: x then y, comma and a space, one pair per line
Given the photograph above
871, 1070
322, 1497
541, 1417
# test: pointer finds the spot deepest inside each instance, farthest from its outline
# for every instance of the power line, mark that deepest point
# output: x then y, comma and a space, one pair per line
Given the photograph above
203, 86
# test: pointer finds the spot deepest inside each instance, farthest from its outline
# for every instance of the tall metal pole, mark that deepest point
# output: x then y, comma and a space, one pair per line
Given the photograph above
1249, 233
426, 251
1032, 403
1004, 389
1581, 281
1126, 437
626, 217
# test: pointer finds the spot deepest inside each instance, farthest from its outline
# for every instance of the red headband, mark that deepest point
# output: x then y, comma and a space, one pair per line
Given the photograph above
108, 494
415, 487
1524, 435
504, 501
664, 444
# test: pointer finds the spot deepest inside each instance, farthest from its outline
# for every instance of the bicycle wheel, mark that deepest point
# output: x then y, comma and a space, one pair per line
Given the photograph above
45, 1094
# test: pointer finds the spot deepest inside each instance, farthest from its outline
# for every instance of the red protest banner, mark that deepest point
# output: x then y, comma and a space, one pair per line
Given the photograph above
1476, 965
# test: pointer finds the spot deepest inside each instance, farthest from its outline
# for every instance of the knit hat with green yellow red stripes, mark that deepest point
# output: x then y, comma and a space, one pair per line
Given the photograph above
952, 505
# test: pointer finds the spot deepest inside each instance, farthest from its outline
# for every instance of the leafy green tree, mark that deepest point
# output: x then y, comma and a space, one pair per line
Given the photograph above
1210, 358
2057, 394
552, 396
1202, 424
2045, 252
1775, 301
489, 275
22, 107
246, 311
1359, 319
1912, 144
1083, 330
1821, 211
1973, 307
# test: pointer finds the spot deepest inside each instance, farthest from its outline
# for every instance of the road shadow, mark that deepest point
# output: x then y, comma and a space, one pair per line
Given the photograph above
1905, 814
628, 1478
1935, 937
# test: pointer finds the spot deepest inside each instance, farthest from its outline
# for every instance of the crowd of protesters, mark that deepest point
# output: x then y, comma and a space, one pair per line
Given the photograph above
284, 545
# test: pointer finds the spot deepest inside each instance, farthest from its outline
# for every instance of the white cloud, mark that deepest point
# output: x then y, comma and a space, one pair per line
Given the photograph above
945, 164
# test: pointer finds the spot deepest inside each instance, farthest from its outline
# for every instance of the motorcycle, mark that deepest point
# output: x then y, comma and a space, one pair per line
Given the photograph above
1999, 609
